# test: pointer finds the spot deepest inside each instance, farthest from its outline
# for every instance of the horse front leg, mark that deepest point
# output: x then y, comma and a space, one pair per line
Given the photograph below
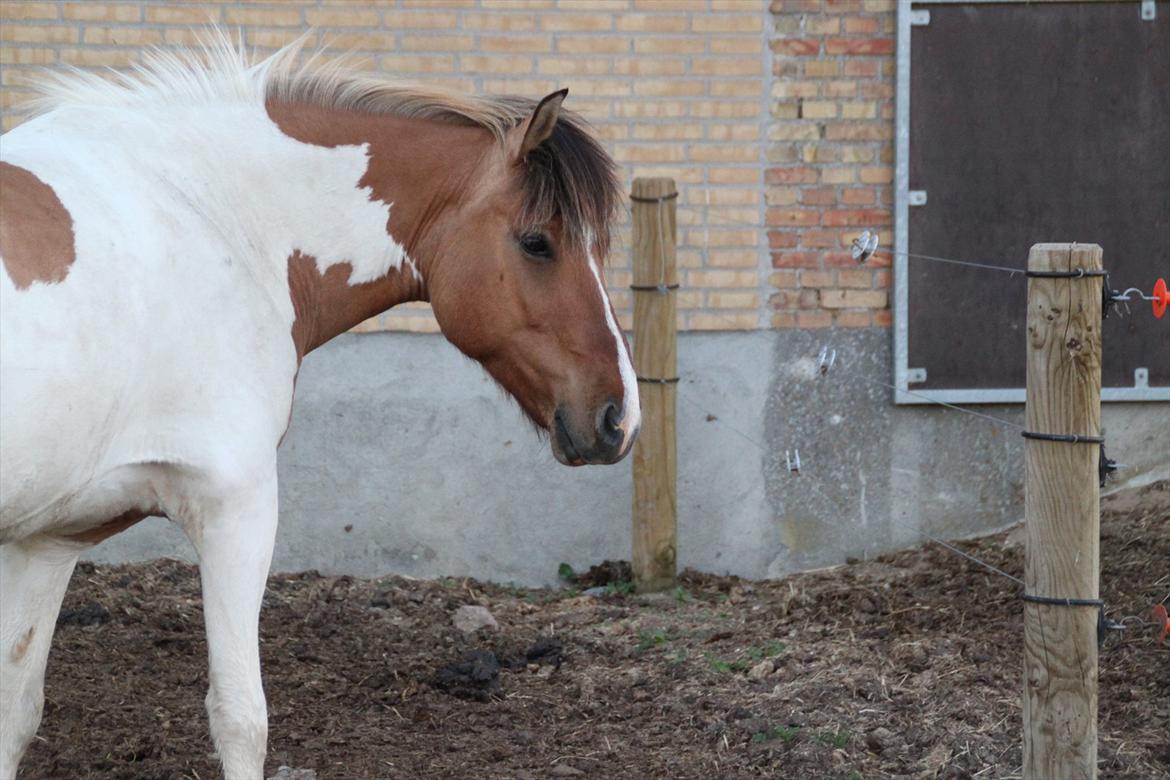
234, 542
33, 577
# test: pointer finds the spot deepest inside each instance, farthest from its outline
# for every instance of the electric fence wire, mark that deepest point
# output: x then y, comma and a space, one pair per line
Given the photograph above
990, 418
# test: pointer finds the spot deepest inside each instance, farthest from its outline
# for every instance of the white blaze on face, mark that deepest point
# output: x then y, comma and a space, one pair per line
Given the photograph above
632, 411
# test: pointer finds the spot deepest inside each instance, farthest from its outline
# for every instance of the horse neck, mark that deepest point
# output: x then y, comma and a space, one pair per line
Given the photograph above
415, 171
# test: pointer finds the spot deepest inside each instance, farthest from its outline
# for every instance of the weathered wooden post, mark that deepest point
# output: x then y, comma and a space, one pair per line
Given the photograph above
655, 508
1062, 513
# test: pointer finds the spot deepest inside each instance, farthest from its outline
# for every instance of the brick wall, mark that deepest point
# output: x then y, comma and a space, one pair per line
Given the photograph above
830, 159
775, 122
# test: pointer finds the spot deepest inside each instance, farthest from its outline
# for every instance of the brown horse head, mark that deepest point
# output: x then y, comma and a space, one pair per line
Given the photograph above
504, 207
519, 285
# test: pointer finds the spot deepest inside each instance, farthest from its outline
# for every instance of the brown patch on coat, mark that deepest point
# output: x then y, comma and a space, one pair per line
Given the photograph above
112, 526
326, 304
22, 644
403, 166
36, 232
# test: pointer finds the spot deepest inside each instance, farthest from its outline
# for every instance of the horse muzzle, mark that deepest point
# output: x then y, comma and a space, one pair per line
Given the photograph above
609, 440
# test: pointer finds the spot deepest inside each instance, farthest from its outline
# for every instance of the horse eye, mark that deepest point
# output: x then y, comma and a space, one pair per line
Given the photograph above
536, 246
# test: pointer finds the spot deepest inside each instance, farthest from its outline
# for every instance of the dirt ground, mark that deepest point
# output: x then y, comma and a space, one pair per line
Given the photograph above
908, 666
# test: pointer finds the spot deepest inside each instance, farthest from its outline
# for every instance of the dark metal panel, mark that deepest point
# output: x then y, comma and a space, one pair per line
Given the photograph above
1033, 123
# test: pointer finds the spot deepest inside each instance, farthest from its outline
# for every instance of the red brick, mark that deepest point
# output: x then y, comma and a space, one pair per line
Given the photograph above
862, 25
796, 259
883, 318
800, 174
784, 319
782, 239
814, 318
818, 196
859, 46
796, 47
819, 238
865, 217
841, 260
857, 196
781, 216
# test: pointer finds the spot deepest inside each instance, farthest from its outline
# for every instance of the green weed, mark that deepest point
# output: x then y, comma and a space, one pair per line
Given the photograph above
838, 738
651, 639
624, 587
785, 733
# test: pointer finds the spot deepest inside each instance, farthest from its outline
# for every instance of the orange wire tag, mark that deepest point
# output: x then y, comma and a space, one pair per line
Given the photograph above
1158, 613
1161, 301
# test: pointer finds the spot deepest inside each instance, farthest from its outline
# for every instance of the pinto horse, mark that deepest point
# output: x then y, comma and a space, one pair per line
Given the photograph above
176, 239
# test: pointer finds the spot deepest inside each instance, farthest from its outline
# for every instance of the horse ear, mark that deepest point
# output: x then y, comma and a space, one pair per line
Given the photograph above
541, 123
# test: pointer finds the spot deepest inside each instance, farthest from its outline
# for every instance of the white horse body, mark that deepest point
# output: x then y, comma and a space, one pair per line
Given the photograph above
168, 343
157, 377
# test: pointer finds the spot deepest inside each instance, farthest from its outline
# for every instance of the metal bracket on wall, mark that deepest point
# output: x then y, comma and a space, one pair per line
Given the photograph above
1149, 10
916, 197
1141, 378
919, 18
915, 376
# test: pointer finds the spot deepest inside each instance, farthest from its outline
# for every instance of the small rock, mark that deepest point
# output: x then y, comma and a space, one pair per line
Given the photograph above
564, 770
288, 773
635, 677
470, 619
1015, 537
596, 593
878, 739
761, 670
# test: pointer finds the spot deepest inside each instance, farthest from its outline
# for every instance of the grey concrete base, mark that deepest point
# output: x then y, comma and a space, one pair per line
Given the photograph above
404, 458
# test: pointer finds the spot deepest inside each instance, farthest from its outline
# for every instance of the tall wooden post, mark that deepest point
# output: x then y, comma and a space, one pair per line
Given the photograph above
1062, 514
656, 364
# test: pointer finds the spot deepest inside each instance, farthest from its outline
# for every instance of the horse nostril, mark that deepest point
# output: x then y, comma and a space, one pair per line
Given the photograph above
611, 424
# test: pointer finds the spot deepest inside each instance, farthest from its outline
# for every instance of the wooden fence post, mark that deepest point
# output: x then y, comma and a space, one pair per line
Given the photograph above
1062, 514
655, 507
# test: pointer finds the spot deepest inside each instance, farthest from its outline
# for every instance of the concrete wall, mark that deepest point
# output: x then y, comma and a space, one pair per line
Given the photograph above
434, 471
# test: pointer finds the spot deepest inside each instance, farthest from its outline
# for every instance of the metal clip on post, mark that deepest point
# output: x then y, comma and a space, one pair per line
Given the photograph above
792, 460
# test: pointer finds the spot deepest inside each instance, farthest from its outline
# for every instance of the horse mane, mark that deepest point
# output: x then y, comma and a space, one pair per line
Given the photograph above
570, 176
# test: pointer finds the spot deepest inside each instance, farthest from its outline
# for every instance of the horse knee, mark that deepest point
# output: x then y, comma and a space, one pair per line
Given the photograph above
239, 724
